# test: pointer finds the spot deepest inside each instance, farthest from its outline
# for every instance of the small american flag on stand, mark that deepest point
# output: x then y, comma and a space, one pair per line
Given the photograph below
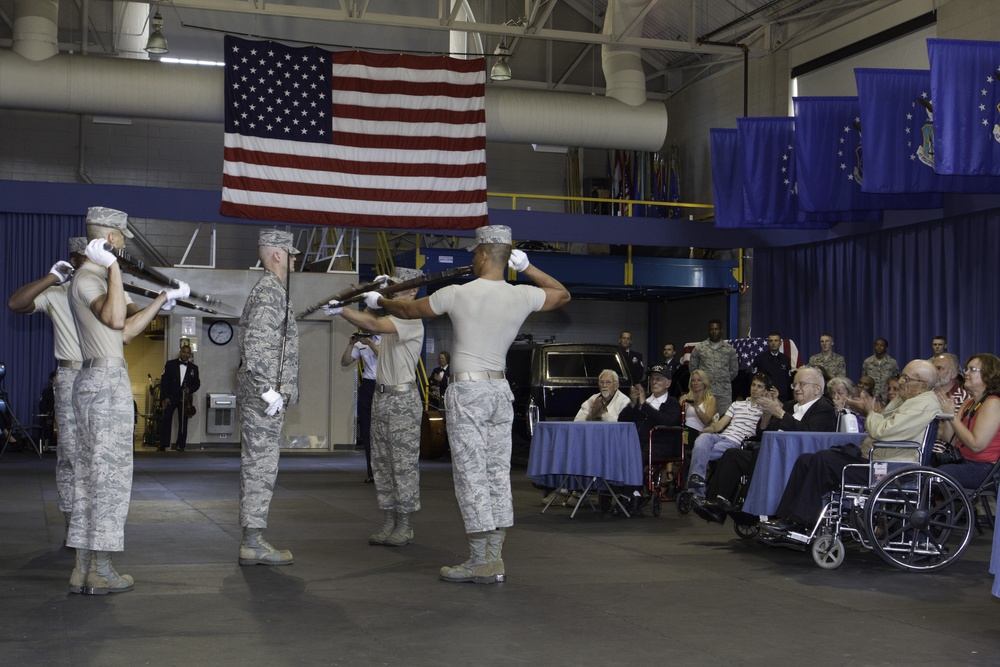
747, 350
353, 138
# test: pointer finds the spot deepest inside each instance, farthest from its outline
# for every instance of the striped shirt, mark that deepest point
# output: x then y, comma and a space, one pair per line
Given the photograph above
743, 418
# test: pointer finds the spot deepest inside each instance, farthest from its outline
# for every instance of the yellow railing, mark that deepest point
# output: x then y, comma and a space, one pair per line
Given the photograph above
628, 203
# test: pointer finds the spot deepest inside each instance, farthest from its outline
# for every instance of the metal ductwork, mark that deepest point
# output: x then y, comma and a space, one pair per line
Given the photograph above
36, 28
622, 65
143, 89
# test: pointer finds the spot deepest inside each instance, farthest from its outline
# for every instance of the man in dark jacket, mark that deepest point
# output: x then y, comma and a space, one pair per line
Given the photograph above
657, 409
180, 375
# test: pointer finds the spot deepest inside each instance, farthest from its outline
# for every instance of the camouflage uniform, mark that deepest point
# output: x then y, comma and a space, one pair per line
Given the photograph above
720, 363
480, 415
102, 400
395, 438
880, 370
261, 337
833, 364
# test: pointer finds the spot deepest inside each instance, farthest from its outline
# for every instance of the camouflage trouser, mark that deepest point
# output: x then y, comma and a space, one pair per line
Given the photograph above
261, 443
68, 451
102, 398
479, 417
395, 438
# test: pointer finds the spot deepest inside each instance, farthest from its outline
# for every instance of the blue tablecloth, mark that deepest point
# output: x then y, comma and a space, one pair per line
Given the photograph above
778, 452
608, 450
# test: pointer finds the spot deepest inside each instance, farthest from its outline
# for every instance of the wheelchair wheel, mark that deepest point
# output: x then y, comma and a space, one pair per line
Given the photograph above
919, 519
746, 531
684, 502
828, 551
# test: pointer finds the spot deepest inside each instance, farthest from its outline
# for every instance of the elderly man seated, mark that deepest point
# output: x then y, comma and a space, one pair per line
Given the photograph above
904, 418
657, 409
739, 423
809, 410
606, 404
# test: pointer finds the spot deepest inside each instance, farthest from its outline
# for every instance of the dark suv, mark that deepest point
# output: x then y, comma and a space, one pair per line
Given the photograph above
551, 380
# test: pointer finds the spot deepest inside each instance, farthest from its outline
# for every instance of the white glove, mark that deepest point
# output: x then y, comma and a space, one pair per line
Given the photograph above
382, 280
182, 291
62, 270
96, 253
168, 306
371, 299
518, 260
331, 309
274, 402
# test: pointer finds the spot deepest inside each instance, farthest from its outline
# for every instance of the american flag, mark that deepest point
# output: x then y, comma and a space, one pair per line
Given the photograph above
354, 139
747, 350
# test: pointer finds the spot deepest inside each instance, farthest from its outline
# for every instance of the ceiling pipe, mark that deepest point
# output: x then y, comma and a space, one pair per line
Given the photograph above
36, 29
623, 74
145, 89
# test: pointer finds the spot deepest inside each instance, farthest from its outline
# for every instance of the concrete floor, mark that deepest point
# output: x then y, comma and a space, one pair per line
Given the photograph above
596, 590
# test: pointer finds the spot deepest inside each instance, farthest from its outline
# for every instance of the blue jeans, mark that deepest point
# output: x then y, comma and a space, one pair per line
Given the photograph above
708, 447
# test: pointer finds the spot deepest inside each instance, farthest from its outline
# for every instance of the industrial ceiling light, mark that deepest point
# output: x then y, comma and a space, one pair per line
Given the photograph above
501, 70
156, 43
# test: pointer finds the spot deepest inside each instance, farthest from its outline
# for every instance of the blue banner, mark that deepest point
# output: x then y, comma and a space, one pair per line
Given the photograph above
965, 87
727, 178
770, 191
897, 112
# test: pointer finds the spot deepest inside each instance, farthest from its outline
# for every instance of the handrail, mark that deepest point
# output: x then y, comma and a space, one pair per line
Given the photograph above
630, 203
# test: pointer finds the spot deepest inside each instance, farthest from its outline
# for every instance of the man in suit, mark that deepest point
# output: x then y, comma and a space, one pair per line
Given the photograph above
810, 410
179, 374
775, 363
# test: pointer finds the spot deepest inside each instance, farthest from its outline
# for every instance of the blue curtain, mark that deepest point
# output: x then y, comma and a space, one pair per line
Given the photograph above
906, 285
32, 244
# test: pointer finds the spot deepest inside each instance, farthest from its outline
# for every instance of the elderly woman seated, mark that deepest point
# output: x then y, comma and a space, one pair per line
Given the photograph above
839, 389
975, 434
607, 403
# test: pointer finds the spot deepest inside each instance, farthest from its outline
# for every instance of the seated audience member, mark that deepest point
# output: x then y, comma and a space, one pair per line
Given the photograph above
739, 423
657, 409
606, 404
808, 411
946, 366
838, 390
815, 474
866, 385
976, 432
699, 404
892, 387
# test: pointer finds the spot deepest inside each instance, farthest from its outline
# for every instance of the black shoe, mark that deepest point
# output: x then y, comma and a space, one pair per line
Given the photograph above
725, 504
161, 449
779, 526
696, 482
369, 480
709, 513
180, 449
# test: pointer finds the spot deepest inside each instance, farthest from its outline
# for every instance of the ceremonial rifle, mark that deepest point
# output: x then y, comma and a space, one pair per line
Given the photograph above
355, 294
152, 294
138, 267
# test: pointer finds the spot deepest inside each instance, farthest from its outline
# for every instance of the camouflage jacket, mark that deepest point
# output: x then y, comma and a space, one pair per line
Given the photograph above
262, 335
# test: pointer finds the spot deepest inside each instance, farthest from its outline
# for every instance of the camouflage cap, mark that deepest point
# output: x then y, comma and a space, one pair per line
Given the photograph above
492, 234
77, 245
277, 238
109, 217
402, 274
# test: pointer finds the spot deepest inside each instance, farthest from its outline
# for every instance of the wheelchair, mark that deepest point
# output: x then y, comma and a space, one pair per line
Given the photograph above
913, 516
659, 486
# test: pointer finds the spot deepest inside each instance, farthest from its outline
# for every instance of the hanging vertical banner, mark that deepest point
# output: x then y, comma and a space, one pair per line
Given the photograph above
727, 178
897, 112
965, 87
830, 163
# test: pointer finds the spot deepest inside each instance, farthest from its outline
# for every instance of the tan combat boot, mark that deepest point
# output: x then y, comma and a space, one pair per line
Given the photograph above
403, 532
255, 550
476, 569
388, 525
103, 579
78, 579
494, 552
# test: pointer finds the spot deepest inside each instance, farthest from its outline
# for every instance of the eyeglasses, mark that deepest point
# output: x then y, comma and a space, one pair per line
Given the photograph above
972, 369
803, 384
907, 378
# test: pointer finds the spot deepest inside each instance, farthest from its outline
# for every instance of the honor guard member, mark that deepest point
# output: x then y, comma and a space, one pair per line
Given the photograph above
396, 413
48, 295
102, 400
266, 382
486, 314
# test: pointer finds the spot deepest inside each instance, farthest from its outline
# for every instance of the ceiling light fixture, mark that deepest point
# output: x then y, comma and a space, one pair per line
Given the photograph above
156, 43
501, 70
